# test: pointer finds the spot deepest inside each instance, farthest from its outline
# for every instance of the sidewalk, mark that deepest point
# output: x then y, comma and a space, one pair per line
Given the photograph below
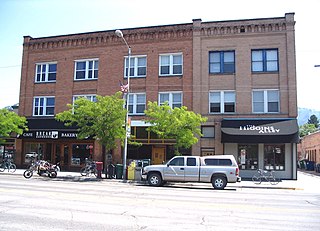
307, 180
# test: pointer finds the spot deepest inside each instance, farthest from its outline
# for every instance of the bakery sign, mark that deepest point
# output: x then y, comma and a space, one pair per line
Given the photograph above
49, 135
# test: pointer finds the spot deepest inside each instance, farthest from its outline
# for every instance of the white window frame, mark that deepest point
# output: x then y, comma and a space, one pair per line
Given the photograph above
91, 97
170, 102
222, 101
45, 73
87, 77
44, 107
134, 64
135, 103
265, 100
171, 64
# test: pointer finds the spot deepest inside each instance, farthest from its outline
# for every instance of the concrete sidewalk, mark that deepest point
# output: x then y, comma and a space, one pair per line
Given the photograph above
307, 180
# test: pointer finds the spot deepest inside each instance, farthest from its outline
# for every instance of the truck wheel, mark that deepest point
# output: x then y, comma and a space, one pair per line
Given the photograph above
154, 179
219, 182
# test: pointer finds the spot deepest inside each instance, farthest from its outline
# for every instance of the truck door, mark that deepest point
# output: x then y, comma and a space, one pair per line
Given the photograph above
191, 172
175, 170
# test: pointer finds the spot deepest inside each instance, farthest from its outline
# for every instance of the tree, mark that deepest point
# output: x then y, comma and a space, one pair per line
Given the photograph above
11, 122
178, 123
313, 120
102, 120
306, 129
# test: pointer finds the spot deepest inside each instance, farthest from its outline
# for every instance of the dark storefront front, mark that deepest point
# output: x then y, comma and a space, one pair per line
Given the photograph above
262, 144
50, 140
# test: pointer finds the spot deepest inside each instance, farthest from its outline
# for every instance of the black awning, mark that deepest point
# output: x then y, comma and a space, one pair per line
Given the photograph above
47, 124
259, 131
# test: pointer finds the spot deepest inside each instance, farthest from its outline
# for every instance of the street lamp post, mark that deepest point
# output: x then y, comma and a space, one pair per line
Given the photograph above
125, 149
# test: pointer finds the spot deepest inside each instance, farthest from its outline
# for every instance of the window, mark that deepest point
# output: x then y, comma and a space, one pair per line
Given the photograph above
274, 157
179, 161
265, 60
170, 64
265, 101
222, 102
207, 131
218, 162
81, 152
221, 62
191, 161
92, 98
248, 156
137, 103
46, 72
43, 106
174, 99
138, 66
86, 69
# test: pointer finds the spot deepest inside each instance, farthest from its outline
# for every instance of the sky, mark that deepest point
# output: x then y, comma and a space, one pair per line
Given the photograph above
42, 18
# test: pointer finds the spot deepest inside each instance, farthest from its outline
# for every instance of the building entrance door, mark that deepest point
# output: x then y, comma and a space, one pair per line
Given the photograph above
158, 154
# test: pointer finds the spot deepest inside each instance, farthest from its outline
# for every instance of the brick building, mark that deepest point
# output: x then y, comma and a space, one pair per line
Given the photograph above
309, 147
240, 74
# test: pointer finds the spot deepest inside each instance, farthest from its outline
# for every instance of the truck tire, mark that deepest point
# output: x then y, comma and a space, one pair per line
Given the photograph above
219, 182
154, 179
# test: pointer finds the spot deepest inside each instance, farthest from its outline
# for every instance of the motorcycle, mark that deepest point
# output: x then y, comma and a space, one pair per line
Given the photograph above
43, 168
56, 167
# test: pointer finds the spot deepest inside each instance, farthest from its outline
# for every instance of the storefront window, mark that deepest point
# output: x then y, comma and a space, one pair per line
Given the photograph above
33, 151
248, 156
80, 152
274, 157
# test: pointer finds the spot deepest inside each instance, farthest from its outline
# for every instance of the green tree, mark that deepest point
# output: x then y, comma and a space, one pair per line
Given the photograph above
11, 122
306, 129
178, 123
102, 120
313, 120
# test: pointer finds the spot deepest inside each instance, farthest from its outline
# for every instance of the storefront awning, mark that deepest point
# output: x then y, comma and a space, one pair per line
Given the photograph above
48, 128
259, 130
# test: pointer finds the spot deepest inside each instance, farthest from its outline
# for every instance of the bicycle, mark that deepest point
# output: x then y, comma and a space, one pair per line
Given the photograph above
89, 168
267, 175
7, 164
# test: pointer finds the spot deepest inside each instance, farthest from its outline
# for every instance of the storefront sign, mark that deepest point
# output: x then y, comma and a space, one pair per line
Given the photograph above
68, 135
46, 135
260, 129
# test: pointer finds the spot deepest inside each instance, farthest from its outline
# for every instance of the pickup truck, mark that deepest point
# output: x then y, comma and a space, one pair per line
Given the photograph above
218, 170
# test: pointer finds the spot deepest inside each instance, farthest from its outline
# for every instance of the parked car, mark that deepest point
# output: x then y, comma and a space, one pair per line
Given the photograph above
218, 170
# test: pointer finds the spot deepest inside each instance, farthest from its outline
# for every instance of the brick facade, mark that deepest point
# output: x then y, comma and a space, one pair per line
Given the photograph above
194, 41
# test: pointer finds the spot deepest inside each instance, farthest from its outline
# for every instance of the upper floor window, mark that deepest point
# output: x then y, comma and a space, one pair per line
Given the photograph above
86, 69
170, 64
137, 103
174, 99
92, 98
221, 62
207, 131
222, 102
265, 60
43, 106
265, 101
138, 66
46, 72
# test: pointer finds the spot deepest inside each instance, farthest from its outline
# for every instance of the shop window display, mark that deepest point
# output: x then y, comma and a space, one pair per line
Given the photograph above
274, 157
80, 152
33, 151
248, 156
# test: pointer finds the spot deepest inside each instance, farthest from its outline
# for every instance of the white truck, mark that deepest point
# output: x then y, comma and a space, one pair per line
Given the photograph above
218, 170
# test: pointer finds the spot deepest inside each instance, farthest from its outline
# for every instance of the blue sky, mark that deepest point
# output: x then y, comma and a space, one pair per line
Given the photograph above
41, 18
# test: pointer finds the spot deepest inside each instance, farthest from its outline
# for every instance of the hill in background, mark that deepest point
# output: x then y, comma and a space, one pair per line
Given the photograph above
305, 113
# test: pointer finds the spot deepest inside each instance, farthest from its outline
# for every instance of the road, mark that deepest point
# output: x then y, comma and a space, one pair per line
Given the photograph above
68, 203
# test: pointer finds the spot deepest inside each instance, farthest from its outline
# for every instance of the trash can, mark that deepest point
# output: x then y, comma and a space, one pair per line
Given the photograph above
110, 171
119, 171
310, 165
131, 170
99, 166
302, 164
137, 173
